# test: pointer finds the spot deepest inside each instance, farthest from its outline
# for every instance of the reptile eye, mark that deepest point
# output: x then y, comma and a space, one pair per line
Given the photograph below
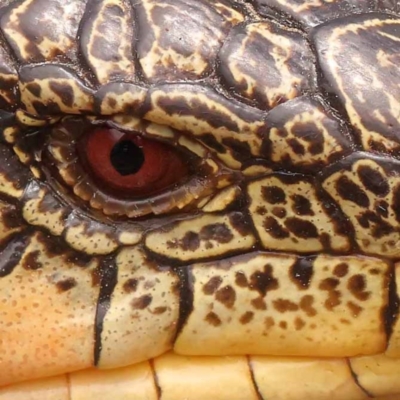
130, 164
143, 169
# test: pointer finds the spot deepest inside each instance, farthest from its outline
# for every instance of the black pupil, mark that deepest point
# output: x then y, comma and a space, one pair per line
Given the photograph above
126, 157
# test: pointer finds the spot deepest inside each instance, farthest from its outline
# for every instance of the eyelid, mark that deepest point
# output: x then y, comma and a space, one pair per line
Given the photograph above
206, 176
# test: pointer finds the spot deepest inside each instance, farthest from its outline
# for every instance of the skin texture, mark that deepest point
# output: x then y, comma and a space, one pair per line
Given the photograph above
276, 253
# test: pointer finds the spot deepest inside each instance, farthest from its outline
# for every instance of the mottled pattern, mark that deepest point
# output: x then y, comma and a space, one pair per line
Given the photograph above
310, 13
229, 128
32, 263
281, 66
368, 190
41, 30
304, 134
290, 215
280, 305
181, 38
54, 89
8, 80
211, 236
143, 313
281, 239
370, 95
109, 56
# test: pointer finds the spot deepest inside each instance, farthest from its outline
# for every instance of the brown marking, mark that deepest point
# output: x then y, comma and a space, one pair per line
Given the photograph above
373, 181
374, 271
296, 146
213, 319
302, 205
301, 272
306, 304
190, 242
348, 190
261, 210
142, 302
278, 212
31, 261
212, 285
283, 305
273, 194
357, 285
159, 310
302, 229
246, 317
329, 285
130, 285
219, 232
34, 88
355, 309
241, 279
269, 322
226, 296
272, 226
299, 324
66, 284
341, 270
240, 223
263, 281
64, 91
259, 303
283, 325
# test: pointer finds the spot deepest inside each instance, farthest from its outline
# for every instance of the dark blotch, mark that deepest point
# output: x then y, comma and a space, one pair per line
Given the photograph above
241, 279
306, 304
190, 242
341, 270
64, 91
142, 302
31, 261
302, 229
357, 286
302, 272
159, 310
212, 285
263, 281
283, 305
348, 190
213, 319
218, 232
226, 296
246, 317
373, 181
272, 226
329, 285
66, 284
302, 205
130, 285
296, 146
34, 88
240, 223
259, 303
355, 309
273, 194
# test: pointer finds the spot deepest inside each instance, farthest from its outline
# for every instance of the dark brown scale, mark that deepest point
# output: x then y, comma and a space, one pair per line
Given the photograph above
302, 271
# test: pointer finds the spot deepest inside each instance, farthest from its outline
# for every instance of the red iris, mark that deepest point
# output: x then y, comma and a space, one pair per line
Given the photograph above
131, 164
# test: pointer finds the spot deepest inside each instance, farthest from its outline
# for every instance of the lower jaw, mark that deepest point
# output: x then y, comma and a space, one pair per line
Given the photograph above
175, 377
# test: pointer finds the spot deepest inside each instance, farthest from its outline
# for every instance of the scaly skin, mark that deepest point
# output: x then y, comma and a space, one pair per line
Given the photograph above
270, 271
